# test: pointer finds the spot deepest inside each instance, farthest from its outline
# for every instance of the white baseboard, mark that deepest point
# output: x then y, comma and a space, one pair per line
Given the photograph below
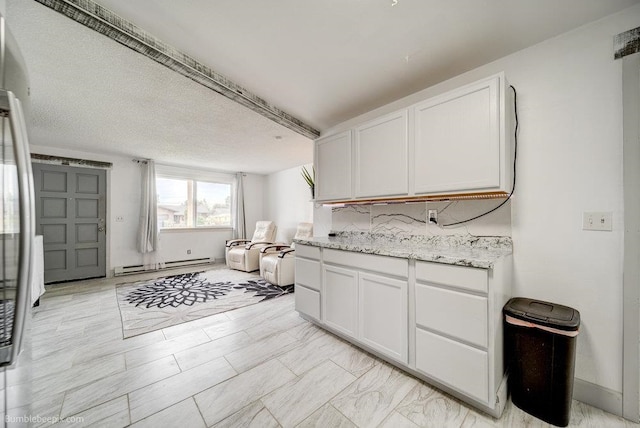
133, 269
598, 396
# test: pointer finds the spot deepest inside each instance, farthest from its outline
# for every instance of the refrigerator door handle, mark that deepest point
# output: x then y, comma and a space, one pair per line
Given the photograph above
11, 107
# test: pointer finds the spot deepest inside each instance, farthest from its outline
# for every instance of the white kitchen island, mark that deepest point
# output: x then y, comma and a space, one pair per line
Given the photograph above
432, 306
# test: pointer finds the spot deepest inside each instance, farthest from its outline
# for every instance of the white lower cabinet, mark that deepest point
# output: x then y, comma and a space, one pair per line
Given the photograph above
340, 299
441, 322
458, 330
366, 305
382, 306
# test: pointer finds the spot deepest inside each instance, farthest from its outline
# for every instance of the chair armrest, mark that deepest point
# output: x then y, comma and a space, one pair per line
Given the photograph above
284, 252
278, 247
249, 246
235, 242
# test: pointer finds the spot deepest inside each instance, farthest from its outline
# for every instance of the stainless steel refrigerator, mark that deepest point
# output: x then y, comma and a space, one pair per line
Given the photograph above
18, 219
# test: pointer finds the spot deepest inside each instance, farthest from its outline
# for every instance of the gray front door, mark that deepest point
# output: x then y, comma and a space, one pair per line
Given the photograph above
70, 215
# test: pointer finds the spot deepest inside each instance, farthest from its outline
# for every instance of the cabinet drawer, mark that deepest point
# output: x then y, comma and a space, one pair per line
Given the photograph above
308, 273
456, 314
308, 251
460, 366
468, 278
308, 302
383, 264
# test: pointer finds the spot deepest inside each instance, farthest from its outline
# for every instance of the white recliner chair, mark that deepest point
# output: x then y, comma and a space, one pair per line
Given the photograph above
244, 254
277, 262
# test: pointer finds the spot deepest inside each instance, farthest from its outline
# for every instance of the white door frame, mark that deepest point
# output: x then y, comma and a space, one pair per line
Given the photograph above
631, 269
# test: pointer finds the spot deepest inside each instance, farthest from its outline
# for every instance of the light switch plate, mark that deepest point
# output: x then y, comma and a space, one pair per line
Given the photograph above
597, 221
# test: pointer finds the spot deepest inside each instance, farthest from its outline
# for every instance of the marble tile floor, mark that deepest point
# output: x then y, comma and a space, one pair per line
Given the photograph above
257, 366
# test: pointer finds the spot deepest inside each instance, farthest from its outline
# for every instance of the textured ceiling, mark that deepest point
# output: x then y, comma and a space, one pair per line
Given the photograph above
91, 94
321, 61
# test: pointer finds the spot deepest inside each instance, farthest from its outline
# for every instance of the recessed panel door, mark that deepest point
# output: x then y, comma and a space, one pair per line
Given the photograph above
70, 214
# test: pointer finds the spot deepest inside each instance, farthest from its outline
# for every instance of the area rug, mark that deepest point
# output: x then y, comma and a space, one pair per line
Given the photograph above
155, 304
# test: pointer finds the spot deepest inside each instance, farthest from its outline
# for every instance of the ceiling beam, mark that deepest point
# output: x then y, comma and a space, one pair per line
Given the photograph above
105, 22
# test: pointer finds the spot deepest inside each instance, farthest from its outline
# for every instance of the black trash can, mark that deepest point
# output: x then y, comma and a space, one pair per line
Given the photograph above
540, 346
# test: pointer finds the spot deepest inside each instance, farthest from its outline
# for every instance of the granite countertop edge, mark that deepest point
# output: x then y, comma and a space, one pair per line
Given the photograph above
458, 255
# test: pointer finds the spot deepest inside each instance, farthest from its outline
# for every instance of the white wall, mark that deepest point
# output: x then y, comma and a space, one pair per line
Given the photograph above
288, 201
123, 199
254, 190
569, 161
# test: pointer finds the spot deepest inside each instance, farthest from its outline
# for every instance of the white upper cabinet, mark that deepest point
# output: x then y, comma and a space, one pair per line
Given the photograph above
381, 163
460, 142
333, 167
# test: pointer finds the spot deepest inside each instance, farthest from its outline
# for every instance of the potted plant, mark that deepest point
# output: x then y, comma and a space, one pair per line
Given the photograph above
310, 179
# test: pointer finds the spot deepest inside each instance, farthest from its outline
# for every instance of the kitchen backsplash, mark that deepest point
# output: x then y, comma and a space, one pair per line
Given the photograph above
411, 218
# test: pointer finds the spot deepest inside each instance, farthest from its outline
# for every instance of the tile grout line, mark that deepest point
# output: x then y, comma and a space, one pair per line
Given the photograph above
269, 411
129, 408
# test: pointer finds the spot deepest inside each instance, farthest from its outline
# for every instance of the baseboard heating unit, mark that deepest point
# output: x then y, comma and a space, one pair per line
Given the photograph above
127, 270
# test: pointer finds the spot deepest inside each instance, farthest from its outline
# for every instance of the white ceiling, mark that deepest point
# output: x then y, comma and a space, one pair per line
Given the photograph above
321, 61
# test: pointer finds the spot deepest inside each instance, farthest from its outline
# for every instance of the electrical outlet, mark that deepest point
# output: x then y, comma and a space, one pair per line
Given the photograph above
188, 251
119, 218
597, 221
432, 216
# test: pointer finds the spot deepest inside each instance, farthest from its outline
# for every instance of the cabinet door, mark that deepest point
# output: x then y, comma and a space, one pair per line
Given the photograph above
333, 167
381, 157
457, 140
383, 315
340, 299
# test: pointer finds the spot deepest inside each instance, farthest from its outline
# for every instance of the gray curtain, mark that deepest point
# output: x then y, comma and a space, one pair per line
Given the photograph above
240, 226
148, 231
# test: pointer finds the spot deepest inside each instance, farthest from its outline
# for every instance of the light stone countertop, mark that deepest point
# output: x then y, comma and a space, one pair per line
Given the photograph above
461, 250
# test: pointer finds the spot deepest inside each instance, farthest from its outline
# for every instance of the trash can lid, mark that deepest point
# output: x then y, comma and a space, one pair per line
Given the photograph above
543, 313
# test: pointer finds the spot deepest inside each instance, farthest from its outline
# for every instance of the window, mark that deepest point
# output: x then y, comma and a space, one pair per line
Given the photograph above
188, 203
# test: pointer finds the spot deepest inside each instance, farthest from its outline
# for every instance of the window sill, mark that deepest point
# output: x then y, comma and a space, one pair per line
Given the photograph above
197, 229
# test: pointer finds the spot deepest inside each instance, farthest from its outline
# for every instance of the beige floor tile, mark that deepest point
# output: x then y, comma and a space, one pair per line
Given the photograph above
396, 420
327, 416
227, 398
101, 349
167, 392
79, 375
260, 351
157, 350
371, 398
255, 415
192, 357
185, 414
114, 386
188, 327
112, 414
76, 342
296, 400
426, 406
281, 323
